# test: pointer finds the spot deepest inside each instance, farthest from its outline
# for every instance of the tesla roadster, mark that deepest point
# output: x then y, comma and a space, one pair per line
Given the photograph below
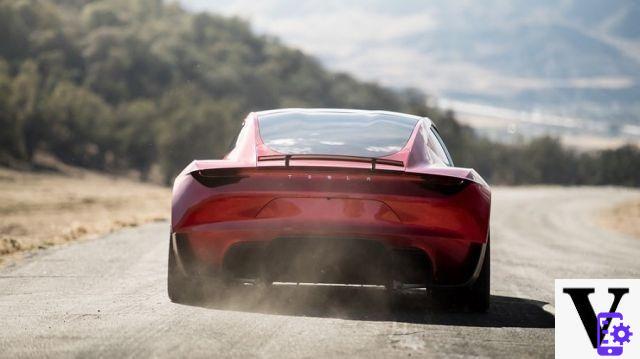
333, 196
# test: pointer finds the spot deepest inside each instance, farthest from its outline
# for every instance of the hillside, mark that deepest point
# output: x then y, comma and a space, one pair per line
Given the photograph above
146, 86
119, 84
577, 58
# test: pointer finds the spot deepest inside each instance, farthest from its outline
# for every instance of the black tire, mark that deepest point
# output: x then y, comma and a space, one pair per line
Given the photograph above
480, 291
476, 298
180, 287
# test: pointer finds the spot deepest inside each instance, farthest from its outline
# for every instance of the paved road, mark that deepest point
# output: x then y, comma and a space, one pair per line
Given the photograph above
106, 297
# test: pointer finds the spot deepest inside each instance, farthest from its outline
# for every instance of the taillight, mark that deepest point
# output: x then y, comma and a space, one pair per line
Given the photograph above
443, 184
216, 178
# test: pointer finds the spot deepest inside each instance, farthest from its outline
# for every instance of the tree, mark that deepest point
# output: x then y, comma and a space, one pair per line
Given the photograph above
79, 125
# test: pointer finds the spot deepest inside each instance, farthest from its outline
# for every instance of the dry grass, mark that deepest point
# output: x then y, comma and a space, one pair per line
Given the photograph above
38, 210
624, 218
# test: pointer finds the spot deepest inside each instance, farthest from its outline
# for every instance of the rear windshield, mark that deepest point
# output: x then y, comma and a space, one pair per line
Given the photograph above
335, 133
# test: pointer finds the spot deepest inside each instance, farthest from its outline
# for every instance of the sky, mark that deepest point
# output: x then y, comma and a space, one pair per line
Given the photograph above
358, 37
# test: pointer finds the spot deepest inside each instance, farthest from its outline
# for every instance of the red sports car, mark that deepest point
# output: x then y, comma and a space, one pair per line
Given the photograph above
333, 196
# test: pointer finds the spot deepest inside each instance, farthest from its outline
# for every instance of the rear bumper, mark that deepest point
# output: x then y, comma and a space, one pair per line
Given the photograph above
398, 213
242, 248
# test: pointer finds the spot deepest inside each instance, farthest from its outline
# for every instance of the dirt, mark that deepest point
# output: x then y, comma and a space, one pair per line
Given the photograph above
38, 210
623, 218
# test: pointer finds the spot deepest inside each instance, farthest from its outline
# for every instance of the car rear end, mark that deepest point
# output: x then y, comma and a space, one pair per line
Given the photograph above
340, 219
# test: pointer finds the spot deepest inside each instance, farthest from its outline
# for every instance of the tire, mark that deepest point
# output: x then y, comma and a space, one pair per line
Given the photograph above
480, 291
476, 298
180, 287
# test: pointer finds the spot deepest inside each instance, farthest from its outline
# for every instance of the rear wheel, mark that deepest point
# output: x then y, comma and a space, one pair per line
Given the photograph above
180, 287
480, 296
476, 298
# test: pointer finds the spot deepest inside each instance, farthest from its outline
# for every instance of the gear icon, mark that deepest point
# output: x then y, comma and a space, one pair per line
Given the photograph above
621, 334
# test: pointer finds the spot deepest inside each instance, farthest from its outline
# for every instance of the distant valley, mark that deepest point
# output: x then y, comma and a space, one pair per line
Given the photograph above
576, 59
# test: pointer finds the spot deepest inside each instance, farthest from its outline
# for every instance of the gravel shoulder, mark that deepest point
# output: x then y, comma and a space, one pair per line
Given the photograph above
623, 218
38, 210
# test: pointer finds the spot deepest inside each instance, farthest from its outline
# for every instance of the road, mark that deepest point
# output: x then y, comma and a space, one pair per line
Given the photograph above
106, 297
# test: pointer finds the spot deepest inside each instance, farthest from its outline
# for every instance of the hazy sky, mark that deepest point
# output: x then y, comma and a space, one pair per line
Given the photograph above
520, 54
356, 36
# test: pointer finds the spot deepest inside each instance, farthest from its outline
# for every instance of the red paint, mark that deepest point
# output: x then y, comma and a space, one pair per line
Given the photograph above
399, 206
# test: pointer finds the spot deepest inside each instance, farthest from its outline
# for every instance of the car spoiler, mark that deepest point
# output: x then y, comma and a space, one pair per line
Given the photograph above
226, 167
372, 160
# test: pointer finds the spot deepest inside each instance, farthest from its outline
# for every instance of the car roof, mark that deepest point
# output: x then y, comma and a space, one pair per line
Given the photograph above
340, 110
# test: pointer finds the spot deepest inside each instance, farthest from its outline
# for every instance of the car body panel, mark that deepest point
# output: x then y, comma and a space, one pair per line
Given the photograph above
420, 205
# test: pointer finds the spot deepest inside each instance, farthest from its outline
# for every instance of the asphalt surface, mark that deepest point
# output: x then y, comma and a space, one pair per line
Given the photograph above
107, 297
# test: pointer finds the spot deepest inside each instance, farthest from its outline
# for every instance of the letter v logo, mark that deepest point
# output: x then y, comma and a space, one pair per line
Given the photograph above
580, 298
